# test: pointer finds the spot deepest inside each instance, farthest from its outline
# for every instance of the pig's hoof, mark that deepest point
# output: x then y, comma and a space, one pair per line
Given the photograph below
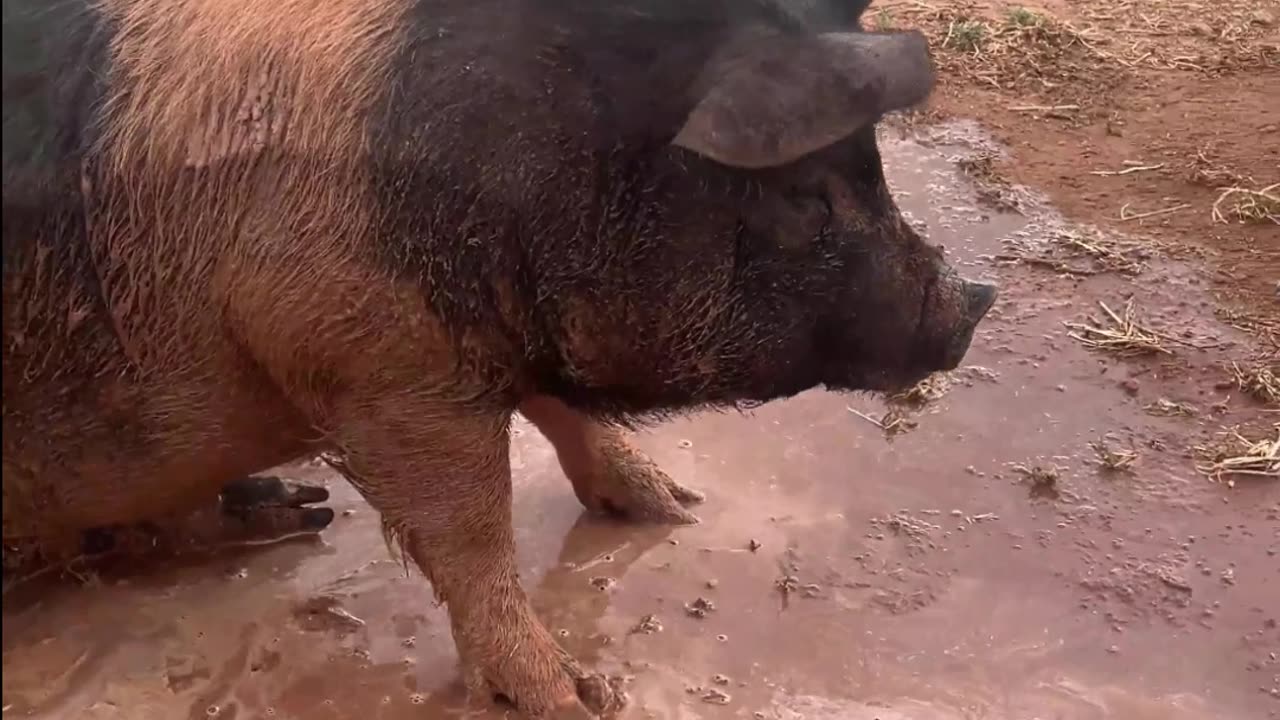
633, 486
554, 691
256, 510
601, 694
270, 490
598, 697
263, 508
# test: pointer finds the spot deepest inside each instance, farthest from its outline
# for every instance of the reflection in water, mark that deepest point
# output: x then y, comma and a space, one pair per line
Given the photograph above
576, 593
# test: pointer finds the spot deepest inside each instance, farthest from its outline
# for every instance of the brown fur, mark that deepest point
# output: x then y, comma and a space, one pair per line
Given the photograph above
172, 254
230, 89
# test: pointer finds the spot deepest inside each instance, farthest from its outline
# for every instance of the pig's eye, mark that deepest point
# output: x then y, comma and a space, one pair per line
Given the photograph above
812, 214
792, 220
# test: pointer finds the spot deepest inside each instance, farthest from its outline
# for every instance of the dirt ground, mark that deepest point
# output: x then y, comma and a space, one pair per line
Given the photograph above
1146, 117
1054, 531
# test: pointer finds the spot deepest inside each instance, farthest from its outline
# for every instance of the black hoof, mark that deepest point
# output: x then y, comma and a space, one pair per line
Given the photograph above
261, 490
317, 518
254, 490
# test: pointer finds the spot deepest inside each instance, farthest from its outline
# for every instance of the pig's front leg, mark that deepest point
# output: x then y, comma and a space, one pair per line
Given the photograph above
443, 485
609, 475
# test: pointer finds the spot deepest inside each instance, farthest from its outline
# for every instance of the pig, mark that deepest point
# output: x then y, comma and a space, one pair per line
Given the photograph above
238, 233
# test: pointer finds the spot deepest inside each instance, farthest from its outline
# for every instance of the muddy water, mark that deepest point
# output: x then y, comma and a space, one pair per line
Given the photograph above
918, 576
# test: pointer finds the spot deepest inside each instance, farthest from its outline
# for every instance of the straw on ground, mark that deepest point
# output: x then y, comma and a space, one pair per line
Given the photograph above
893, 422
1170, 408
1247, 205
1260, 381
1233, 454
1113, 459
1124, 335
924, 392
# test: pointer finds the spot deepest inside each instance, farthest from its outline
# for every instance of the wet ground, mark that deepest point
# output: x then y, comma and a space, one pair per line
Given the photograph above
851, 575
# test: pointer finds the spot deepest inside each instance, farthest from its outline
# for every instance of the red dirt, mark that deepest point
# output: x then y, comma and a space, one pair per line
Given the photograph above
1207, 128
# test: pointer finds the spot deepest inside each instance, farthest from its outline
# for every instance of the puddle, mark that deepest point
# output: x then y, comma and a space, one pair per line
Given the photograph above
932, 583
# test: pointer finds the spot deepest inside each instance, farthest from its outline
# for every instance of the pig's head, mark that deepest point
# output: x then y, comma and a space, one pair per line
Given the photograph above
785, 263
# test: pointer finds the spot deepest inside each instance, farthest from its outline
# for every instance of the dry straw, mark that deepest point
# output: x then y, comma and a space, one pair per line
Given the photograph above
1236, 455
1121, 334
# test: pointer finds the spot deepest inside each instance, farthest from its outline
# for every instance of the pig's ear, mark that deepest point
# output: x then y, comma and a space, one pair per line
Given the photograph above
771, 105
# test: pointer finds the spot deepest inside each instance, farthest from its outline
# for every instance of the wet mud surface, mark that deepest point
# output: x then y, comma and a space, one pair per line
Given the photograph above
980, 564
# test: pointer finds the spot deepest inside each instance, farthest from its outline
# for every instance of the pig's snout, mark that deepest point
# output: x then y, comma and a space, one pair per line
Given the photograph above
980, 296
976, 299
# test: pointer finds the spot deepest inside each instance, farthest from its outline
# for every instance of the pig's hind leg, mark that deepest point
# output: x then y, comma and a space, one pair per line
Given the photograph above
267, 507
255, 510
609, 475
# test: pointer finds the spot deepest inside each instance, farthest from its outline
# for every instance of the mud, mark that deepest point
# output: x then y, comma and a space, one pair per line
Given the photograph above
840, 571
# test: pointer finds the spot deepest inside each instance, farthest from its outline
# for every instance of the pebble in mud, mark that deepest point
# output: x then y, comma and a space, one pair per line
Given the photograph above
787, 584
648, 625
699, 608
716, 697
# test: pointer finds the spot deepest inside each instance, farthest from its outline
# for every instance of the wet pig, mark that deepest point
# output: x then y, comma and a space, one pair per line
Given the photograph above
239, 233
